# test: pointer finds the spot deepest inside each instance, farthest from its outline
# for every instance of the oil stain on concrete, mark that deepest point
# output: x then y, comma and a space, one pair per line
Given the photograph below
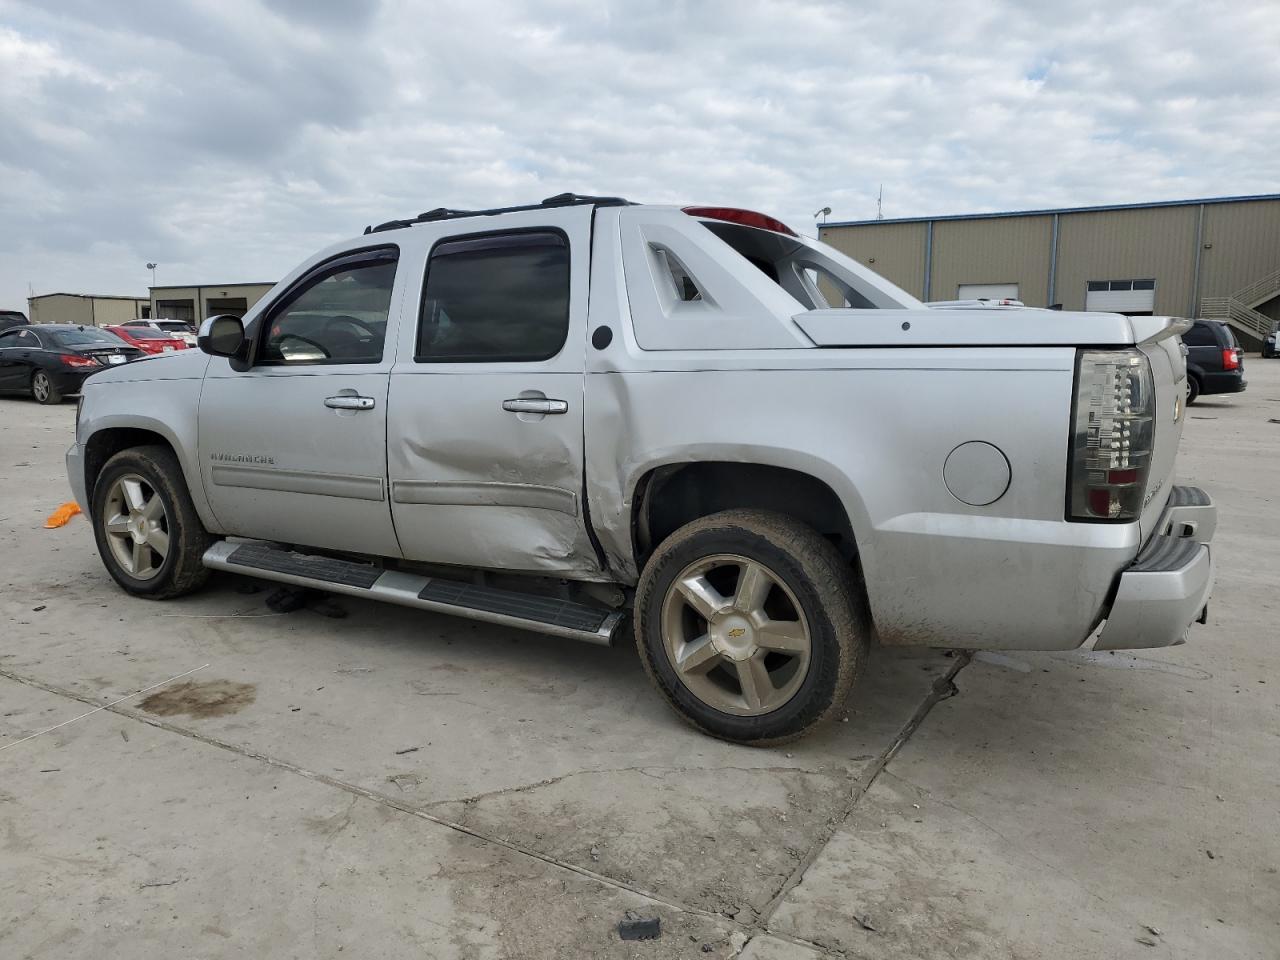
210, 698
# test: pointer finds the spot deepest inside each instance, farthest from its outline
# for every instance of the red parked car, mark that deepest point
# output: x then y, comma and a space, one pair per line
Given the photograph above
149, 340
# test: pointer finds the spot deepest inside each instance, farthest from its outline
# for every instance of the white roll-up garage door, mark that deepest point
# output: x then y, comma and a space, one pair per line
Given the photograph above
1121, 296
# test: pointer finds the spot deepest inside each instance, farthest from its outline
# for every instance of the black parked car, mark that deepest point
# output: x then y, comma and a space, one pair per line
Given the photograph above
50, 360
1215, 362
12, 318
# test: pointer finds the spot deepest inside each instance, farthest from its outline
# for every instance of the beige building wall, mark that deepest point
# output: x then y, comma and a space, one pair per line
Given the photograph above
1243, 245
1001, 250
109, 312
86, 309
1143, 243
58, 308
893, 250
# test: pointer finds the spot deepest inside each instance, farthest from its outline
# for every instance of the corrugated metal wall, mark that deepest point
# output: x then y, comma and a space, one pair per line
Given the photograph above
1245, 240
1003, 250
893, 250
1149, 243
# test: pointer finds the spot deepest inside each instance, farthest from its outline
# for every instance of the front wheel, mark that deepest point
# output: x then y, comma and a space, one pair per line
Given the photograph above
1193, 389
149, 535
748, 622
44, 390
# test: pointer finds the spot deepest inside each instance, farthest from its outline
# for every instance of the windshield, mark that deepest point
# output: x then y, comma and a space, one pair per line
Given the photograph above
147, 333
84, 338
177, 326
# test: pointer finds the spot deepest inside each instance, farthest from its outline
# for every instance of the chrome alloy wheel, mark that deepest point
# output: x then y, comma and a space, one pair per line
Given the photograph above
41, 387
736, 635
137, 526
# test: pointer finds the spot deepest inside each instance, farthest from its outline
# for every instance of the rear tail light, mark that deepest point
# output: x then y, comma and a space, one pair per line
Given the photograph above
1112, 435
1231, 359
745, 218
74, 360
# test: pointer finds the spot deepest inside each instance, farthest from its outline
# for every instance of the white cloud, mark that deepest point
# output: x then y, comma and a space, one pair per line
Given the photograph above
229, 138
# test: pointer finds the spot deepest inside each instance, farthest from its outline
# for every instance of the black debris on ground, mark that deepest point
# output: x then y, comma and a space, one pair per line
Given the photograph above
287, 599
632, 926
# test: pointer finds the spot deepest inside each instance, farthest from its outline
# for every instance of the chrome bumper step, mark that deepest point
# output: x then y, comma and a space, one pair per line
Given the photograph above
561, 618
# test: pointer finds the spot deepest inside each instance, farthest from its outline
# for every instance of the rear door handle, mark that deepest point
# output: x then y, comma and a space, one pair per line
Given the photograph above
349, 403
535, 405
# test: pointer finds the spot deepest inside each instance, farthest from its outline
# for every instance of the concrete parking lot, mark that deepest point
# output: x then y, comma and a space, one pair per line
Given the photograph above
396, 784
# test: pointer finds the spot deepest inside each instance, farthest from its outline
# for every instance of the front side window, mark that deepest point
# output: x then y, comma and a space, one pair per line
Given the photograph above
339, 315
501, 297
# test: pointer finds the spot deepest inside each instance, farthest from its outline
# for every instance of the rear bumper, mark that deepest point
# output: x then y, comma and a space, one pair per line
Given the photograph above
1225, 381
68, 381
1167, 586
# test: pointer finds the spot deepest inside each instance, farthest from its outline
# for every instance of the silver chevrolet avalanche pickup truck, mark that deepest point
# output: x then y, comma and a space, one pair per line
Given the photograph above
554, 416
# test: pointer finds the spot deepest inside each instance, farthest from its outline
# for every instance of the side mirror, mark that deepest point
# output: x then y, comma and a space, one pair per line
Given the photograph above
223, 336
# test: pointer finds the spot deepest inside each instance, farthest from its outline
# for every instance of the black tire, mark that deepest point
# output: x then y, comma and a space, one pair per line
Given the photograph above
1193, 388
824, 588
181, 571
44, 390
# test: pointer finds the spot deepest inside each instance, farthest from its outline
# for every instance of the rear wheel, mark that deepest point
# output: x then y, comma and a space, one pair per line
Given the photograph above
749, 625
149, 535
1193, 388
43, 389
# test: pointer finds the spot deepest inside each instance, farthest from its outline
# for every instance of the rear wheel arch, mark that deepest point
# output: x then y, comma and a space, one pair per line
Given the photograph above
669, 496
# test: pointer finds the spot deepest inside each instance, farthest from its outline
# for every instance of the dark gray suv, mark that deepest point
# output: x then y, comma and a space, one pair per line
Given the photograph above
1215, 362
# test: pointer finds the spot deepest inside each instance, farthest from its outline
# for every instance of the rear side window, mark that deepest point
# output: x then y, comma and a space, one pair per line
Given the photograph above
500, 297
1199, 336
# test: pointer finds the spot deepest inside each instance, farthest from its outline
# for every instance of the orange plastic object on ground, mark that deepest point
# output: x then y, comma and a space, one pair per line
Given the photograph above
62, 516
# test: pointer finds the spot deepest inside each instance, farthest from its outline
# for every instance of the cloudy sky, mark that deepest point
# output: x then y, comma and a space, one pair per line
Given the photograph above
227, 139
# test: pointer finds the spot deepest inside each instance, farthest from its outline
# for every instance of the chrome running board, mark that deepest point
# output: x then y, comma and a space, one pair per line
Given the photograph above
559, 618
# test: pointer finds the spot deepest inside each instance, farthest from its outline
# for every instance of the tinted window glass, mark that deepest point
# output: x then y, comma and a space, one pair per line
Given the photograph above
10, 338
1199, 336
496, 298
147, 333
84, 338
340, 316
1096, 285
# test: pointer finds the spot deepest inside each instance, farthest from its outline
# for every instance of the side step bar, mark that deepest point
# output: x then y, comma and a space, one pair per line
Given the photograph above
560, 618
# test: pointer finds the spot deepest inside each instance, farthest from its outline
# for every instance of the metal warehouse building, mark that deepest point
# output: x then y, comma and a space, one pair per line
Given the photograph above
197, 303
1216, 258
192, 304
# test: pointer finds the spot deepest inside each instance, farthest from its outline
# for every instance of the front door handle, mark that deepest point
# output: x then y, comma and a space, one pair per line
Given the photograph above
349, 403
535, 405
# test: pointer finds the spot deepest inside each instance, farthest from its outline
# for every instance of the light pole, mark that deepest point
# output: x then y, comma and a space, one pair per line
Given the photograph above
823, 213
152, 268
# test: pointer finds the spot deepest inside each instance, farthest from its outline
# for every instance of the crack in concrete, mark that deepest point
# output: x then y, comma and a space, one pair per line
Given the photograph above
943, 688
645, 770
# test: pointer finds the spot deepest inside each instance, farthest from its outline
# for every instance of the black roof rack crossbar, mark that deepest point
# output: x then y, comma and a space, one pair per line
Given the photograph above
446, 213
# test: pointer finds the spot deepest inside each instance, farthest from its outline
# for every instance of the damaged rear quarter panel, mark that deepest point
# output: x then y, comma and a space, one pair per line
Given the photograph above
877, 426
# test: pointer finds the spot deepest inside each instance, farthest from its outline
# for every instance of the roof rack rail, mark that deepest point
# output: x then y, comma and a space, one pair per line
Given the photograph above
447, 213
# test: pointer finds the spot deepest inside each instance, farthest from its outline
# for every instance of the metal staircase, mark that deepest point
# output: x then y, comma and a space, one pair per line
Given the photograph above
1238, 309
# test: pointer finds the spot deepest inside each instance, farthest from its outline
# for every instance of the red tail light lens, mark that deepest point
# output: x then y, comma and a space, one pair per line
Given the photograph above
74, 360
746, 218
1231, 359
1112, 436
